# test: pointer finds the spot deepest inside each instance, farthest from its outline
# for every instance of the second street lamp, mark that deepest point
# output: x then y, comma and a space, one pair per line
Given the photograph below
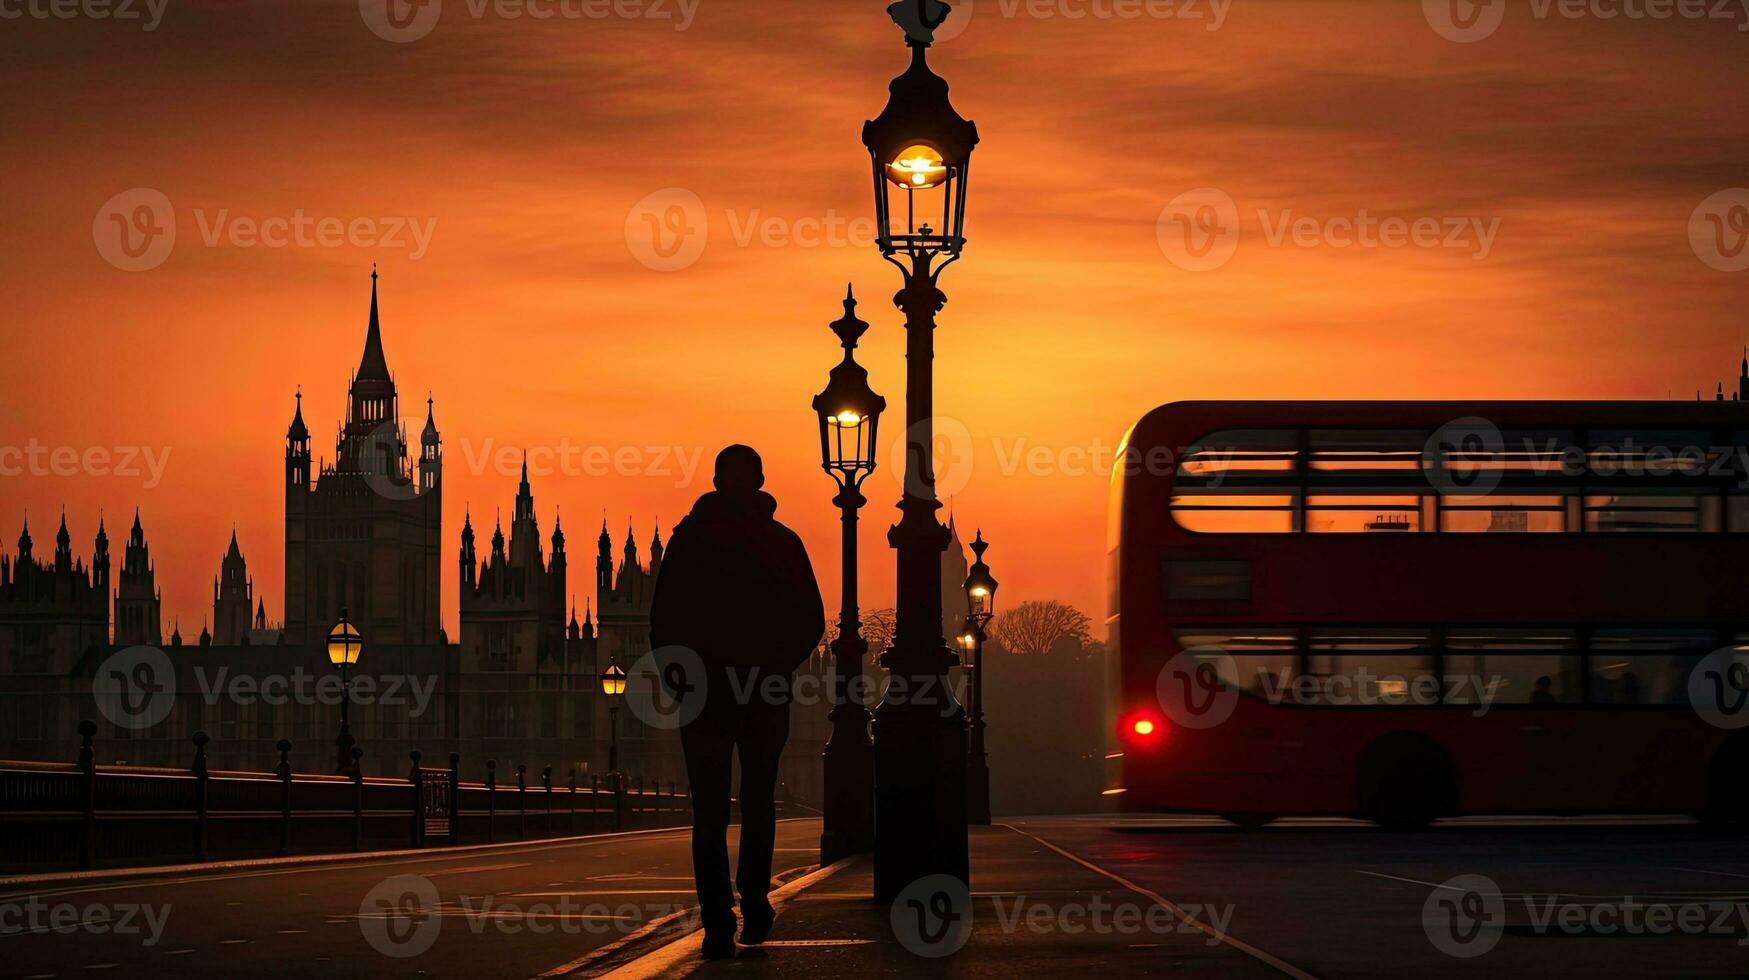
981, 606
344, 646
850, 413
920, 149
613, 684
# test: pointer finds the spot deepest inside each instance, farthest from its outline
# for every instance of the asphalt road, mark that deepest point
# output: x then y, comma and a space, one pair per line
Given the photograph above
1318, 898
1335, 898
511, 912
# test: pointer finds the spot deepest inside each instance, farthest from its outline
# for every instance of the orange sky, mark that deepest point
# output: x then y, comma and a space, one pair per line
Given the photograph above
530, 141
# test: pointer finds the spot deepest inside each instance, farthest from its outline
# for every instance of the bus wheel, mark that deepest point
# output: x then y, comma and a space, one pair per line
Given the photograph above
1249, 821
1406, 782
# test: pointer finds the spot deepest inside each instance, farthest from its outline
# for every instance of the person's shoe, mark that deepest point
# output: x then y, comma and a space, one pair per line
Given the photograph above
719, 936
756, 923
719, 943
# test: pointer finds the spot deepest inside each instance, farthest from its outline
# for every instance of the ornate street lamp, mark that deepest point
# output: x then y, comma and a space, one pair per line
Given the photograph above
344, 646
920, 150
850, 415
981, 603
613, 684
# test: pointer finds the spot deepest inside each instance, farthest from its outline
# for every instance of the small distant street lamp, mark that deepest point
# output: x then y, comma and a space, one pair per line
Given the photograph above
981, 601
920, 150
344, 646
850, 414
613, 684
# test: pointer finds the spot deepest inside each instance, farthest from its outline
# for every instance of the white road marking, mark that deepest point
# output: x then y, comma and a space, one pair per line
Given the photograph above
1412, 881
477, 869
1172, 907
1703, 871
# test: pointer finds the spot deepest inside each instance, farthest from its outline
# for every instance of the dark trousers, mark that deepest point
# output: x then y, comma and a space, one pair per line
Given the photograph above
748, 712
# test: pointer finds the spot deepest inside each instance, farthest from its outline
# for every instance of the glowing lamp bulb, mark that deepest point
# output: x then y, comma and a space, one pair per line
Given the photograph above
847, 419
917, 167
1144, 727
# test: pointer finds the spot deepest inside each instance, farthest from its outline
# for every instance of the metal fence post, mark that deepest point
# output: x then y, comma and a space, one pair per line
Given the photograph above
88, 793
491, 800
285, 782
571, 787
619, 799
357, 798
200, 794
521, 801
594, 802
417, 777
455, 798
546, 781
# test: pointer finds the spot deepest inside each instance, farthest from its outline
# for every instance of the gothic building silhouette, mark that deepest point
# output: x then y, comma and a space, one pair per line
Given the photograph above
53, 615
139, 605
513, 603
363, 533
622, 604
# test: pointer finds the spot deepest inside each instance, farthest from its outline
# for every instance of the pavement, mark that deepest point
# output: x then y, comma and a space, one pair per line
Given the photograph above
1084, 896
1050, 896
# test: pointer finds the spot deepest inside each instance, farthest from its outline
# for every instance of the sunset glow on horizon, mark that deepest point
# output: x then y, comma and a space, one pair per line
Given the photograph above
614, 244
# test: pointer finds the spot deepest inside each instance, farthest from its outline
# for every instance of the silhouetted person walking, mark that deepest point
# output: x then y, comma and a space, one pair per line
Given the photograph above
736, 589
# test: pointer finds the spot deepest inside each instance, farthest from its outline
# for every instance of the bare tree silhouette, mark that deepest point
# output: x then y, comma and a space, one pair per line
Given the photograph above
1032, 627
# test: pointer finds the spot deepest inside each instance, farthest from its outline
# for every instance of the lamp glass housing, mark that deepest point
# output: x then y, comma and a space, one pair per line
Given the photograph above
344, 643
613, 680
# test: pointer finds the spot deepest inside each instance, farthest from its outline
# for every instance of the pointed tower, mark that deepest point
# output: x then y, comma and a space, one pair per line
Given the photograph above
100, 560
137, 603
470, 564
364, 532
233, 597
656, 550
430, 450
1743, 377
63, 547
603, 559
629, 555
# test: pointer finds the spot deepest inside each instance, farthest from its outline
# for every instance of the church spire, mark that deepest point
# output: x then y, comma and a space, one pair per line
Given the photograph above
373, 366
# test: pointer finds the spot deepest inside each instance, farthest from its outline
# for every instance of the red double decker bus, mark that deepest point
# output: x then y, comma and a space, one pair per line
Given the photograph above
1407, 610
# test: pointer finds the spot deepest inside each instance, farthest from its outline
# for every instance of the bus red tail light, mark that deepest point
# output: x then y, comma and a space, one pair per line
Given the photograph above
1143, 730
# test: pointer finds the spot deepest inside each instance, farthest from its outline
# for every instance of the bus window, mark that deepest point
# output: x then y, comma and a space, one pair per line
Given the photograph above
1233, 513
1642, 512
1645, 666
1512, 666
1502, 514
1370, 666
1257, 661
1242, 451
1359, 514
1655, 452
1362, 451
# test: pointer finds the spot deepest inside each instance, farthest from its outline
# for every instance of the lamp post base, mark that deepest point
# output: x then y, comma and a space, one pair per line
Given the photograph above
920, 795
849, 786
978, 790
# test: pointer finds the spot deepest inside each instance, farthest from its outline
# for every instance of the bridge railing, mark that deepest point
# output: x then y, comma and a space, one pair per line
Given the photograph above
56, 815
